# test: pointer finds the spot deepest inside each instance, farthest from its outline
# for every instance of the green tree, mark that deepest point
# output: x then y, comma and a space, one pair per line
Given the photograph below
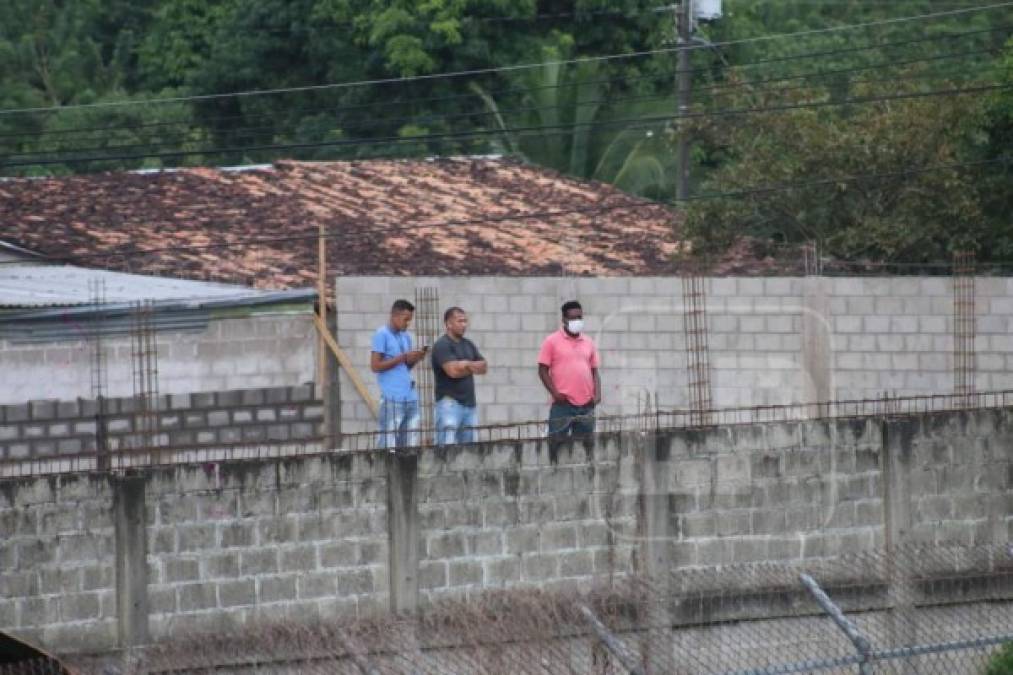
902, 215
1001, 662
995, 143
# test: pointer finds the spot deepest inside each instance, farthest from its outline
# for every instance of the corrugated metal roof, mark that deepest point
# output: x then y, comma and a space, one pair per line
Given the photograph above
43, 303
34, 285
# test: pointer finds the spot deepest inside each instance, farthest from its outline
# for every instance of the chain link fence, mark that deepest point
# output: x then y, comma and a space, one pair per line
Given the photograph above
926, 610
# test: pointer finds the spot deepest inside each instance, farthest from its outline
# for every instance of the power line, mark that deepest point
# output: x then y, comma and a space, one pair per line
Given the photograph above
528, 109
368, 106
631, 123
510, 68
485, 114
598, 209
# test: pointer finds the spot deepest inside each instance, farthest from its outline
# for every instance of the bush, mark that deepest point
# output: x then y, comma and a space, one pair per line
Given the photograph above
1002, 661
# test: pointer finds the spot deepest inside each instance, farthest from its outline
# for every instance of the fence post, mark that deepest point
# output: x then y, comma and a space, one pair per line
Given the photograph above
331, 394
855, 636
654, 547
131, 559
897, 448
403, 530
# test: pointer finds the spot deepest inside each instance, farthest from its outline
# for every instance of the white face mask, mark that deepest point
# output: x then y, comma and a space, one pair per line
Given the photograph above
575, 326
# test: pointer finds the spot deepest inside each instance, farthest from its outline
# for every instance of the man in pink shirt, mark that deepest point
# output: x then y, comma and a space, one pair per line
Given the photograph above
568, 367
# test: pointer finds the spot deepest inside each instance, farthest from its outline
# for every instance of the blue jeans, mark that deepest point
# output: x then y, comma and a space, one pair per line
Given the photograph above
399, 424
454, 422
566, 419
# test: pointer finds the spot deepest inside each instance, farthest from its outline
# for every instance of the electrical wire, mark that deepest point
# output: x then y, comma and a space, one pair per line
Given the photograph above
511, 111
505, 69
629, 123
671, 74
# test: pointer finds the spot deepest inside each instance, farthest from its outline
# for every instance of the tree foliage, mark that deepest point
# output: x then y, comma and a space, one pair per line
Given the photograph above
57, 56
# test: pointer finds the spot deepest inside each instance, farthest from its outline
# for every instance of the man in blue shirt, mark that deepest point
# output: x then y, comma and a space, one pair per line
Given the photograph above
392, 359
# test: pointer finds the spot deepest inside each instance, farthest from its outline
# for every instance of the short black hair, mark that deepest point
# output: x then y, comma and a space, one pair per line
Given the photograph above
402, 306
572, 304
451, 311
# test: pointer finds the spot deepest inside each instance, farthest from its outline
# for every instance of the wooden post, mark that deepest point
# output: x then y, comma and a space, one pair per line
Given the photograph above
322, 311
346, 363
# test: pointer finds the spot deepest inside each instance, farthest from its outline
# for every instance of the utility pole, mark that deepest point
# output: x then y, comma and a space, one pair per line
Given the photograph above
683, 88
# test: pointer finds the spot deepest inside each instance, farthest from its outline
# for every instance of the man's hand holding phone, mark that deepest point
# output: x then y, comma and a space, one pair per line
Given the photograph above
416, 355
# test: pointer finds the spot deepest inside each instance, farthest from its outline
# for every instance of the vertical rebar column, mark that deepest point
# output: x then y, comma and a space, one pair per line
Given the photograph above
97, 299
145, 377
99, 365
963, 324
427, 329
694, 298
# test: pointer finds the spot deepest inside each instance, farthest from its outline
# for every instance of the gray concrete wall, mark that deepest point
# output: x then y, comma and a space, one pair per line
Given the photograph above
264, 350
44, 429
517, 516
301, 538
296, 540
772, 340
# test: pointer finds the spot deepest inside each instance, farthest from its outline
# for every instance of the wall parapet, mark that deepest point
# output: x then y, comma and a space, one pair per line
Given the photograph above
332, 534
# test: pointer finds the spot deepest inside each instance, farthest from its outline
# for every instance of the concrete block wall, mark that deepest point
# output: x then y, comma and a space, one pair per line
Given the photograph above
299, 540
213, 545
958, 478
775, 492
636, 323
57, 584
264, 350
770, 342
515, 516
43, 429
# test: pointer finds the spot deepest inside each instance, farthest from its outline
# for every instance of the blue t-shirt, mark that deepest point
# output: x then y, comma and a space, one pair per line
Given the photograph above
396, 384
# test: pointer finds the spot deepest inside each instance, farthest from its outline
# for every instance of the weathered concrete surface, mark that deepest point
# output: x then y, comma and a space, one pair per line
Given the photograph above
315, 537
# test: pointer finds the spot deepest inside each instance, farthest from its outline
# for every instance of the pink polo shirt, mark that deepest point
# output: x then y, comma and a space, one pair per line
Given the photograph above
570, 360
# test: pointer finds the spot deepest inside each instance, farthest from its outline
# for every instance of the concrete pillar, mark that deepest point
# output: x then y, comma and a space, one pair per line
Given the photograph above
655, 547
896, 458
816, 348
403, 531
131, 560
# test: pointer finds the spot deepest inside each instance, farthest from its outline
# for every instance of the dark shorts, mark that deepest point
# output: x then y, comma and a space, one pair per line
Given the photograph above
566, 419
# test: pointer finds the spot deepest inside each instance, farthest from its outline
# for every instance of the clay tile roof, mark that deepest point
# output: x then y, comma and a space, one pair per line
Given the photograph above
387, 217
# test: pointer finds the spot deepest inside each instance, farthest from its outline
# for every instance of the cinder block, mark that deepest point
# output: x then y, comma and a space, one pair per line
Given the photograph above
218, 418
451, 545
197, 537
539, 567
358, 582
316, 585
576, 564
16, 413
42, 410
222, 566
465, 573
502, 572
301, 557
196, 597
276, 588
522, 539
181, 569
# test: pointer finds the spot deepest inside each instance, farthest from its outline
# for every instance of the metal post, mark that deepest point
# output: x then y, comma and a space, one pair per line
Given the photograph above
613, 644
861, 643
